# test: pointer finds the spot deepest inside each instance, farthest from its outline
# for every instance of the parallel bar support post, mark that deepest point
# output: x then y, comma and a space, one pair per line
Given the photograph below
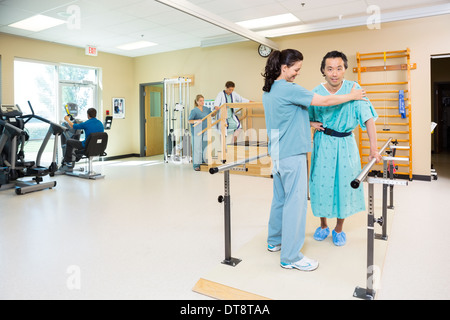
368, 293
226, 198
227, 221
385, 196
391, 176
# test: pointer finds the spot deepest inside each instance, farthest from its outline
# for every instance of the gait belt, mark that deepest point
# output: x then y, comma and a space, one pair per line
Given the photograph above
334, 133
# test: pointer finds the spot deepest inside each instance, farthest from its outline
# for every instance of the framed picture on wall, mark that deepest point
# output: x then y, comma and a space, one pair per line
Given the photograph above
118, 105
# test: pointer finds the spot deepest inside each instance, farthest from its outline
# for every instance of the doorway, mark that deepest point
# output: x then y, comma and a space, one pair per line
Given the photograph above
440, 79
152, 118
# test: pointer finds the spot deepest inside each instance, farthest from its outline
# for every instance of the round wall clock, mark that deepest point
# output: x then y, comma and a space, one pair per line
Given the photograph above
264, 51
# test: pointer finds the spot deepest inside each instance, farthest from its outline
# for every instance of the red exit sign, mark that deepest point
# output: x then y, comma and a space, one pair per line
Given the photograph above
91, 51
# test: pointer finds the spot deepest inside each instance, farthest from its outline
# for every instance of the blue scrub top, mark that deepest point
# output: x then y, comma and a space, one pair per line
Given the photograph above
90, 126
196, 114
287, 119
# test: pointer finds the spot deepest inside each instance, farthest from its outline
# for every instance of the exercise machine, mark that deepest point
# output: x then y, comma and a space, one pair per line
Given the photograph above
95, 145
13, 166
55, 130
177, 138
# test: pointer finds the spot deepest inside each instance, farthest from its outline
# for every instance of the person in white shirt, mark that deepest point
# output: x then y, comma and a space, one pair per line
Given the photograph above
229, 96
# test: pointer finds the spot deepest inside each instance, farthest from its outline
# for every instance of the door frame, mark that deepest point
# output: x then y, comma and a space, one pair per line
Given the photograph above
437, 115
142, 113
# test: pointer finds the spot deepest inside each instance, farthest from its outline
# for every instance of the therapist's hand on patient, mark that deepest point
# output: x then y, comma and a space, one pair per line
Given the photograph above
358, 94
317, 125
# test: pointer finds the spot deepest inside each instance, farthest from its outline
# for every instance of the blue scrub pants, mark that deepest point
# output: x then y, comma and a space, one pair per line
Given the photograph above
287, 220
199, 145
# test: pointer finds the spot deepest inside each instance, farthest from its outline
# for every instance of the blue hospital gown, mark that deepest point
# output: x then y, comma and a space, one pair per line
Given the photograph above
335, 161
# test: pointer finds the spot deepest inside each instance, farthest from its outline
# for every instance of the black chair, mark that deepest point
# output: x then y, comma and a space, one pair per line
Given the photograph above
95, 146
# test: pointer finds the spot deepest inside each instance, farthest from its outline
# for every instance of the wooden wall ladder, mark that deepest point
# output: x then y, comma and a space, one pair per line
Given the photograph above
383, 84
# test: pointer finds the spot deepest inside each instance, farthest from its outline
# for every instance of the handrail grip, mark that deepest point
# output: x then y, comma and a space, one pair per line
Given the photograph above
228, 166
365, 171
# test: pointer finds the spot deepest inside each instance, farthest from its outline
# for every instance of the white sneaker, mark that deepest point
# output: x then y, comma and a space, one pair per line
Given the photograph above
304, 264
272, 248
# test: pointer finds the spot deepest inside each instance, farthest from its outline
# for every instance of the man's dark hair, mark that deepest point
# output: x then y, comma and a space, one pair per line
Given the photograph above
334, 54
229, 84
92, 112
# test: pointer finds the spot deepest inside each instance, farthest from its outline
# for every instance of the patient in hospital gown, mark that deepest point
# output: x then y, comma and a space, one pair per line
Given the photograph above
335, 161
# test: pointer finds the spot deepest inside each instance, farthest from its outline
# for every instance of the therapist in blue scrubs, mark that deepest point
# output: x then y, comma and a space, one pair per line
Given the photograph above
199, 140
287, 121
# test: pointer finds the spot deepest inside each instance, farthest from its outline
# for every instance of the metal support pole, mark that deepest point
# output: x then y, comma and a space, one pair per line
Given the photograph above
368, 293
384, 236
226, 198
391, 176
227, 219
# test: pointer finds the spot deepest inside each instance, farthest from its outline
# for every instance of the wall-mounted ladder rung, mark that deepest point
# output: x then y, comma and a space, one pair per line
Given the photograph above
384, 140
393, 124
386, 94
384, 84
389, 108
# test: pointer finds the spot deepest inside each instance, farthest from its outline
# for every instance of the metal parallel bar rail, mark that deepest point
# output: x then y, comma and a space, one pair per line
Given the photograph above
365, 171
368, 293
226, 199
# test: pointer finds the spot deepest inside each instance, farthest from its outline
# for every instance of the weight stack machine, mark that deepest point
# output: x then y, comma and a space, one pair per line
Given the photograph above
177, 138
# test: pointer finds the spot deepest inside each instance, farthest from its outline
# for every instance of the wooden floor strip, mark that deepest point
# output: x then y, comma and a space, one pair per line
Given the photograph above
223, 292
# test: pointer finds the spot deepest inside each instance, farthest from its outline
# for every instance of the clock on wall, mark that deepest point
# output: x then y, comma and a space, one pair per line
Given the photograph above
264, 51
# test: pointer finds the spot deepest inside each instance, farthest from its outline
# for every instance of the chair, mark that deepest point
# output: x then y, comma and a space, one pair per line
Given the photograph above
95, 146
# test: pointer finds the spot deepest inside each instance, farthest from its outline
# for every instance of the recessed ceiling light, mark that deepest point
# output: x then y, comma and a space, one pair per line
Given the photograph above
137, 45
269, 21
37, 23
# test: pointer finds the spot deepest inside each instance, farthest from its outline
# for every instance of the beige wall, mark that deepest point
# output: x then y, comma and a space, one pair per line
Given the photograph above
212, 67
240, 62
118, 76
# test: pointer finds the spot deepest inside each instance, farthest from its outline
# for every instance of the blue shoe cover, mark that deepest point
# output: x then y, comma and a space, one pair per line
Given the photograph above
339, 239
321, 234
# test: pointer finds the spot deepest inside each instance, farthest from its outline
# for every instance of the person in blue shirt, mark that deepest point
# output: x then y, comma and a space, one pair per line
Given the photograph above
287, 121
89, 126
199, 142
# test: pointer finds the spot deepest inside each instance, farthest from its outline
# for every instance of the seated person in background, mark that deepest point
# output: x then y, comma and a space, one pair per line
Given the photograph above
89, 126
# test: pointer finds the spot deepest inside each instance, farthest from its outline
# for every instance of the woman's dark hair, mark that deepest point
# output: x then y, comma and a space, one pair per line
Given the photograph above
273, 66
333, 54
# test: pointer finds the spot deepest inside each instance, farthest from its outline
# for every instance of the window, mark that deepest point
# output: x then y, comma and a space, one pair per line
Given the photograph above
78, 85
49, 87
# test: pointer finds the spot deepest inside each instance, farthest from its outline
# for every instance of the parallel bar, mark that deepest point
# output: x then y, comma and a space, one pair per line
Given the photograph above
226, 198
365, 171
235, 164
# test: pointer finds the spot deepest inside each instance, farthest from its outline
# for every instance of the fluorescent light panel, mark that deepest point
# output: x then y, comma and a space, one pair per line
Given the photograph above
37, 23
136, 45
269, 21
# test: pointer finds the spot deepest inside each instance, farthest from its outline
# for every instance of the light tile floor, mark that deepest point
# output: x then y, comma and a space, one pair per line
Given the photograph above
151, 230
